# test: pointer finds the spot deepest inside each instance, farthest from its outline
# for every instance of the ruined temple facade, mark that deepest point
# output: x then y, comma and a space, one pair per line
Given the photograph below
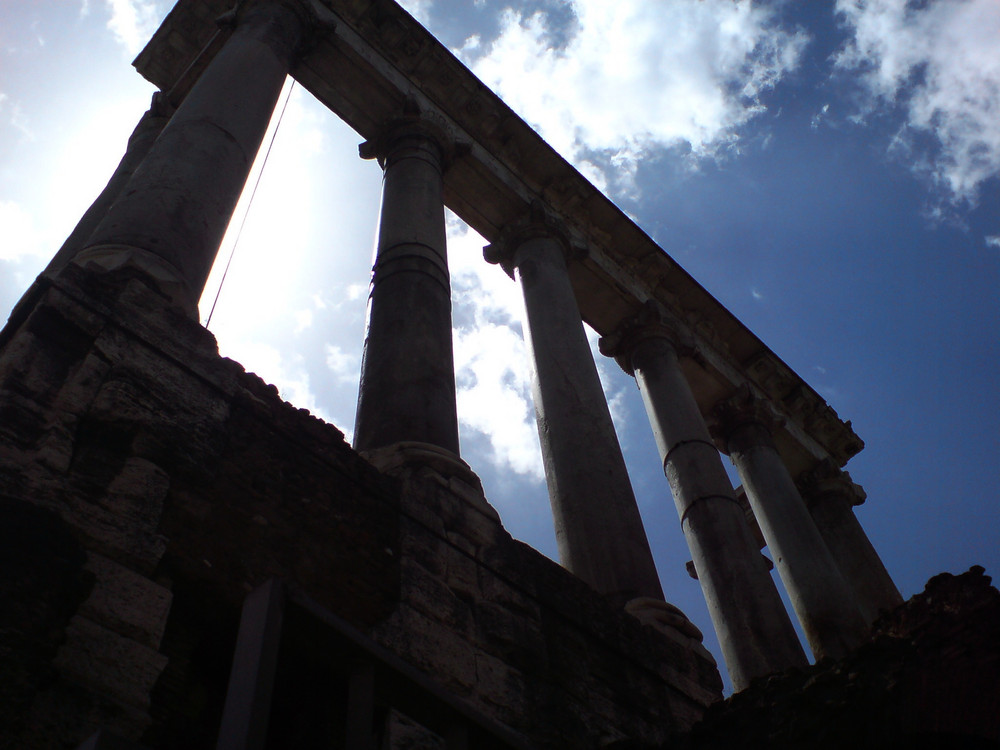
191, 562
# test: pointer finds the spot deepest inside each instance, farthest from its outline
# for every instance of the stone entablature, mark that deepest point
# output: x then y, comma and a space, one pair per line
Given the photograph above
371, 57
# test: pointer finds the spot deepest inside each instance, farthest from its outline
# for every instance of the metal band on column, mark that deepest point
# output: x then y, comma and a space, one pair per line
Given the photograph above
755, 633
823, 602
407, 391
598, 528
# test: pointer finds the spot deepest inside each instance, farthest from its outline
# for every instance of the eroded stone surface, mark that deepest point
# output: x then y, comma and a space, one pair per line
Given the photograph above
186, 482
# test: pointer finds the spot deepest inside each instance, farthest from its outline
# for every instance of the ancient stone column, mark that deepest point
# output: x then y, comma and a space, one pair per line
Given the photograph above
407, 390
598, 528
170, 218
143, 137
823, 602
755, 633
830, 495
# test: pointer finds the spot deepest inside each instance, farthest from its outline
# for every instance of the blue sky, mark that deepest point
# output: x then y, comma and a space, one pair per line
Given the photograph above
828, 170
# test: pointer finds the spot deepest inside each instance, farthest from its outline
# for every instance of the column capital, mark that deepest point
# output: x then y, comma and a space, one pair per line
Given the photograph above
536, 224
826, 479
316, 19
411, 124
651, 322
742, 410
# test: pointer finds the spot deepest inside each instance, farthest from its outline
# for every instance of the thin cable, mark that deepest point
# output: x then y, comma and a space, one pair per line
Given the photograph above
246, 213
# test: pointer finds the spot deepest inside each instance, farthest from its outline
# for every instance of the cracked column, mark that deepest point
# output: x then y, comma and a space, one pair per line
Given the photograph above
598, 528
754, 630
407, 390
823, 602
172, 215
830, 495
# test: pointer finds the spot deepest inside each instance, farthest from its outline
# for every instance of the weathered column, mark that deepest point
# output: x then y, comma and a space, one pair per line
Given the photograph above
142, 139
171, 217
407, 390
830, 495
598, 528
823, 602
755, 633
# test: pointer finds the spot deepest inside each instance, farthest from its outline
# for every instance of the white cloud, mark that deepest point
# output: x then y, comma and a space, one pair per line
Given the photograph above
993, 240
132, 22
939, 62
303, 320
15, 116
20, 236
346, 366
636, 74
756, 295
491, 363
819, 116
494, 394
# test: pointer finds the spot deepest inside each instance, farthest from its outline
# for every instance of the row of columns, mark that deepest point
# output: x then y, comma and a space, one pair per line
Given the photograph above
754, 631
167, 208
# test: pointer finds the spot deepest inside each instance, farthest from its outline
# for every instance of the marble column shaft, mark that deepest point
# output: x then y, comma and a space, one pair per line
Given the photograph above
598, 528
407, 390
823, 602
830, 498
172, 215
754, 630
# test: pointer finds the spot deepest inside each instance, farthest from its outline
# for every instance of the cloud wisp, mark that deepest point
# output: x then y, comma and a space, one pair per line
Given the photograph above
940, 63
633, 75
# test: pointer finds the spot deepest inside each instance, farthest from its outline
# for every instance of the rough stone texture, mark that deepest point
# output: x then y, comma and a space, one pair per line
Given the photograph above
148, 484
929, 679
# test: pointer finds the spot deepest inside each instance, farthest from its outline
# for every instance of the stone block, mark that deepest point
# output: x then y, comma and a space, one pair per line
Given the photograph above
506, 593
115, 537
509, 634
109, 664
500, 685
138, 491
431, 596
462, 576
126, 602
430, 647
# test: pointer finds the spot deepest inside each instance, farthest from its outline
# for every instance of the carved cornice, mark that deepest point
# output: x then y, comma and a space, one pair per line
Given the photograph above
742, 409
826, 479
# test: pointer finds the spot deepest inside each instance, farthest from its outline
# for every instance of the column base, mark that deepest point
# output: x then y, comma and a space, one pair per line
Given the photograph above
669, 621
409, 456
164, 275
